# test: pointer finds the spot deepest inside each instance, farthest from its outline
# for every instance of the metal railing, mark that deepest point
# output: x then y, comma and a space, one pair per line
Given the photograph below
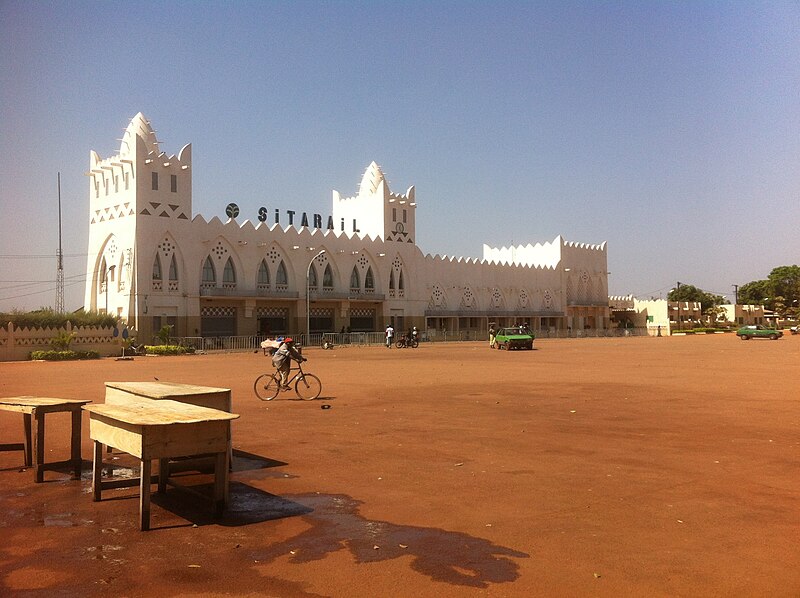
371, 339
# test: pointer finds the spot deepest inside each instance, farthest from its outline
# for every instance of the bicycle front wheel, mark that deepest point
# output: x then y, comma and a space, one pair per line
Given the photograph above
308, 387
266, 387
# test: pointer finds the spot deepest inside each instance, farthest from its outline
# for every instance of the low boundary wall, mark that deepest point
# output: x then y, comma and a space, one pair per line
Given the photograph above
16, 344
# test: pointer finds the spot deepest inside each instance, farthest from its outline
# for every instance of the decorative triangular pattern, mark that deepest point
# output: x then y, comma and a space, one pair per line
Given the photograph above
164, 214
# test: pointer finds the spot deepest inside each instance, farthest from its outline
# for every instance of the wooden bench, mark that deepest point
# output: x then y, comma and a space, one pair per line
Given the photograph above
160, 430
33, 410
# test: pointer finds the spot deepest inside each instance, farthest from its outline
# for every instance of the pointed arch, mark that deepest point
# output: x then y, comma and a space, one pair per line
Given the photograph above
262, 276
209, 276
169, 256
313, 283
327, 278
103, 275
103, 272
282, 277
355, 280
229, 275
173, 269
158, 275
396, 278
369, 281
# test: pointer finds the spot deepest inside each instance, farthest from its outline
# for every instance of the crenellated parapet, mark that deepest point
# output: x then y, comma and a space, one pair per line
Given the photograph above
546, 254
378, 210
140, 179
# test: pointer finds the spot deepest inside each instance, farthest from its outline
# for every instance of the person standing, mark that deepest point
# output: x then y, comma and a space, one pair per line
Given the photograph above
492, 334
389, 336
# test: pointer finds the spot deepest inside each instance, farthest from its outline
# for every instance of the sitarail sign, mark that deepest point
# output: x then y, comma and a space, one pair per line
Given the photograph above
232, 210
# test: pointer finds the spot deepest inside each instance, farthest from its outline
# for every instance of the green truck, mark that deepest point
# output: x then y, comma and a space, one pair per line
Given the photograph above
758, 331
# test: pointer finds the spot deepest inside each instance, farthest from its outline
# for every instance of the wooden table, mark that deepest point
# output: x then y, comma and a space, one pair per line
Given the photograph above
160, 430
132, 393
35, 408
125, 393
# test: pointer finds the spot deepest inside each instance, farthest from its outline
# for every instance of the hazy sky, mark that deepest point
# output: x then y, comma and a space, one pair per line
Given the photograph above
670, 130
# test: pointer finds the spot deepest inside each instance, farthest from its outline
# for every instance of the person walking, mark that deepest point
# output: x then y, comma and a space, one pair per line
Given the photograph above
492, 334
389, 336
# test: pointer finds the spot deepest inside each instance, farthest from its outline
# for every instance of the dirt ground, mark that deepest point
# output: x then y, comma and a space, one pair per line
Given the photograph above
603, 467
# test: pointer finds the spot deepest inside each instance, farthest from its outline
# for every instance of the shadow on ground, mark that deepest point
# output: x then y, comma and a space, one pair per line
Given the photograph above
450, 557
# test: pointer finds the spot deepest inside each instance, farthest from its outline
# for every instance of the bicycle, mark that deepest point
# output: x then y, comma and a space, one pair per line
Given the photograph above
307, 386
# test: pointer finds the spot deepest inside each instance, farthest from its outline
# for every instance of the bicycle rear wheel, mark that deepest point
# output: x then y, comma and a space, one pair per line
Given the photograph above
308, 387
266, 387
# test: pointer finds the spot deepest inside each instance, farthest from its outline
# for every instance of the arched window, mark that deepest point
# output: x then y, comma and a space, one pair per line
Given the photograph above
281, 277
209, 275
369, 280
355, 282
391, 280
157, 268
229, 274
263, 274
327, 278
104, 274
173, 268
400, 284
312, 277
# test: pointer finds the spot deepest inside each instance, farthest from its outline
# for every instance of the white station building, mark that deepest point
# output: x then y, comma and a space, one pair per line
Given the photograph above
153, 262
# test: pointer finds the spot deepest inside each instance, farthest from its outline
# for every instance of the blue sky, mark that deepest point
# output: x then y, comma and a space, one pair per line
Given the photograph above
670, 130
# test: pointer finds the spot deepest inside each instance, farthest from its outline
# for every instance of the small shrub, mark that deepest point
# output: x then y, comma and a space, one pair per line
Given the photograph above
49, 318
165, 350
67, 355
62, 340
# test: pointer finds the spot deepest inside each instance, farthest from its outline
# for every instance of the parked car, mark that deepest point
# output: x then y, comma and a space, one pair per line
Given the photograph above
513, 338
758, 331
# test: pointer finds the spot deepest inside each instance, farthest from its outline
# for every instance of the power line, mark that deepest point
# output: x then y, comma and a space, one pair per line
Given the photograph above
34, 256
27, 283
48, 290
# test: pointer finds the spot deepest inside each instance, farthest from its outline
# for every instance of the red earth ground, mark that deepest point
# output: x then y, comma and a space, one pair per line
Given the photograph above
603, 467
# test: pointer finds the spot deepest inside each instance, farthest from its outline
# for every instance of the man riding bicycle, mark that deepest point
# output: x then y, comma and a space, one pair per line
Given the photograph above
282, 360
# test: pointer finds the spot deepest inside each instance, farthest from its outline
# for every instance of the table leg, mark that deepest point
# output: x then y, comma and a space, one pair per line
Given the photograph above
97, 471
77, 462
26, 418
220, 482
144, 495
163, 475
38, 446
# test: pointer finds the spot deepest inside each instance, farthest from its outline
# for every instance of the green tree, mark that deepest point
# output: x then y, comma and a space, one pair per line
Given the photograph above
785, 287
780, 292
756, 292
689, 292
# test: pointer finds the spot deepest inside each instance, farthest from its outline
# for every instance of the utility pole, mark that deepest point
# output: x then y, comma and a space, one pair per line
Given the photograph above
60, 257
678, 296
736, 294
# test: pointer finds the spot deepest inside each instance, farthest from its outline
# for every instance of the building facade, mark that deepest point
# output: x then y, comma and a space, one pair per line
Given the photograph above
152, 262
